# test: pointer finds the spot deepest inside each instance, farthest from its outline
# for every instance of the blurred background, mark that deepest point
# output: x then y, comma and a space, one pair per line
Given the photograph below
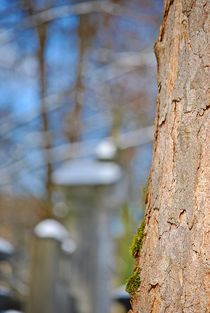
77, 104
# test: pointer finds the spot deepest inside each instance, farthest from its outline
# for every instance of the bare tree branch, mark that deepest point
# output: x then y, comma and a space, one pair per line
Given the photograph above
76, 9
79, 149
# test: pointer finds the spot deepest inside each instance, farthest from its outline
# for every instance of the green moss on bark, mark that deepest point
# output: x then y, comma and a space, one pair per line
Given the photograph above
137, 241
134, 282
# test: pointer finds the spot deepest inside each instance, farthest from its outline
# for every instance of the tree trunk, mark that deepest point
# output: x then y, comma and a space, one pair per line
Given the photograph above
42, 35
172, 272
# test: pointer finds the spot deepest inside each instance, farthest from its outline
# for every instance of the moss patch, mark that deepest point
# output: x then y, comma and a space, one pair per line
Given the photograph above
137, 241
145, 191
134, 282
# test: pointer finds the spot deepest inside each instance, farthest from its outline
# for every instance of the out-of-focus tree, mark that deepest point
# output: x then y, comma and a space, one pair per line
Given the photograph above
73, 73
86, 81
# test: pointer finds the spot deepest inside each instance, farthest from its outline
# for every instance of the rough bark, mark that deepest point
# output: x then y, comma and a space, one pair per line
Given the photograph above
174, 261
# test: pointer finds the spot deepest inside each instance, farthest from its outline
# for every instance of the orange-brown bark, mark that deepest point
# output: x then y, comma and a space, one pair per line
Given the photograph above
175, 258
